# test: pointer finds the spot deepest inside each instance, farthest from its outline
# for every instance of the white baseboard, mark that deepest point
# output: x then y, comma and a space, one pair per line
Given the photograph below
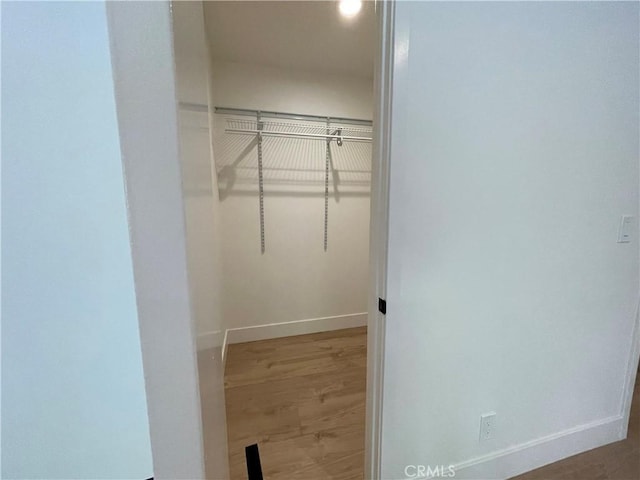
537, 453
289, 329
632, 370
211, 339
225, 344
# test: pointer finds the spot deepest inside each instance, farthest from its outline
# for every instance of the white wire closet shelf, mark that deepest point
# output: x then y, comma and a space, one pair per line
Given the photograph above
295, 145
297, 130
290, 126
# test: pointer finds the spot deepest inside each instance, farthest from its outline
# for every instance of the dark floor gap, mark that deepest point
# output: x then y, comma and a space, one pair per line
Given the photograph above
254, 469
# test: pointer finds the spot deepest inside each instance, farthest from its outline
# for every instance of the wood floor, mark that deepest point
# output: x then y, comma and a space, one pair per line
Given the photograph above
616, 461
302, 400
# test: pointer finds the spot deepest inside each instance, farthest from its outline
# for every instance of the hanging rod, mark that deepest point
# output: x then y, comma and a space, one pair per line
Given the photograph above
291, 116
266, 133
288, 125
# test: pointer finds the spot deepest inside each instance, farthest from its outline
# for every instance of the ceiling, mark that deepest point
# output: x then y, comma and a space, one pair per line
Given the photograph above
306, 35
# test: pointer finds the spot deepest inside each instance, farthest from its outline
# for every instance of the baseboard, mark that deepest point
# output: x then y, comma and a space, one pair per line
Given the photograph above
297, 327
528, 456
211, 339
289, 329
225, 344
632, 371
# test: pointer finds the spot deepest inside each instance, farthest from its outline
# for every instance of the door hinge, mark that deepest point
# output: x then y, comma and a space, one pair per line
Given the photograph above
382, 306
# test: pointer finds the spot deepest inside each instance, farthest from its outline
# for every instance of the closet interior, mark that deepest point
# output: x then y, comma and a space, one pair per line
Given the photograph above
275, 111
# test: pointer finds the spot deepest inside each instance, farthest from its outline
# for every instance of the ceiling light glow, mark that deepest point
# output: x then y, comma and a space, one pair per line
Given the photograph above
350, 8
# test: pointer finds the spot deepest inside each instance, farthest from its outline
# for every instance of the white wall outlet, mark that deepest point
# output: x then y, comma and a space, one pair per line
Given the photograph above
487, 425
626, 229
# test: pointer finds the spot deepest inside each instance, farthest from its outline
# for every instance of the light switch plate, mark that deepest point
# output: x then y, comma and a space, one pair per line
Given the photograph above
626, 229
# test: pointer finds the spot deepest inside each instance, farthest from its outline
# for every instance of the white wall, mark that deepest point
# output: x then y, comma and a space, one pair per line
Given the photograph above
295, 279
201, 200
73, 396
514, 153
287, 90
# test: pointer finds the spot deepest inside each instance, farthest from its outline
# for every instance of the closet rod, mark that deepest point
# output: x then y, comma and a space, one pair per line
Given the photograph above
266, 133
291, 116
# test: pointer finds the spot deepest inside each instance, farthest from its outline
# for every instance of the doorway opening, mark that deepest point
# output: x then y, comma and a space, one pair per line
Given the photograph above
275, 110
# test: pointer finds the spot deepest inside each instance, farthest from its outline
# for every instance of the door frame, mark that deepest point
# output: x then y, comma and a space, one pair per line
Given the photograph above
145, 91
378, 237
142, 58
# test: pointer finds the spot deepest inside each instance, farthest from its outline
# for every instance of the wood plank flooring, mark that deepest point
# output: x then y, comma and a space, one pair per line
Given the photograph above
302, 400
616, 461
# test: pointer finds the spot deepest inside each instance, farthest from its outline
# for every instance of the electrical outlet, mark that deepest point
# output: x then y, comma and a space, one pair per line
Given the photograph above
487, 425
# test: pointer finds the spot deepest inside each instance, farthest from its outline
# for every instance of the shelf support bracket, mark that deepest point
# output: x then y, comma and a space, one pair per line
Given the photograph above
260, 180
326, 185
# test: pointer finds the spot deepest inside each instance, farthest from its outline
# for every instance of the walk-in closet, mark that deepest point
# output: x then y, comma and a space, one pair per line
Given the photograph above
275, 110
